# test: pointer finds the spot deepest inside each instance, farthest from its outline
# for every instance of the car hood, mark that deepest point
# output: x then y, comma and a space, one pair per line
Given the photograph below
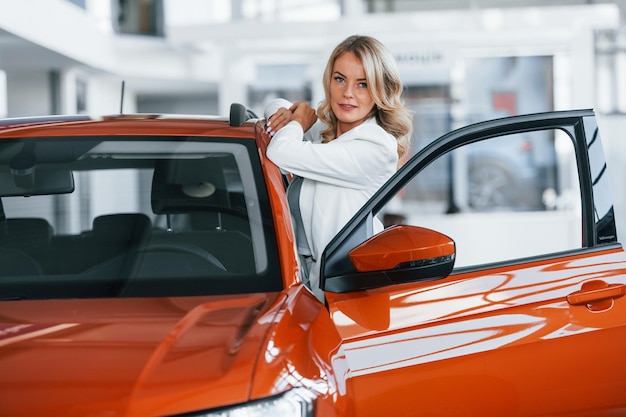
131, 357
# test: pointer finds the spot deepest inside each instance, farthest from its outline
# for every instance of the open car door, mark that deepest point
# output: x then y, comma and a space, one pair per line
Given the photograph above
499, 293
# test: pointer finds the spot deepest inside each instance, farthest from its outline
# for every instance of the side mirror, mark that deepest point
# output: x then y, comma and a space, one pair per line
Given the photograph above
402, 246
398, 255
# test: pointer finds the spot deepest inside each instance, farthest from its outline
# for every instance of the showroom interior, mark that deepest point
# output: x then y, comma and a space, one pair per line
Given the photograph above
462, 61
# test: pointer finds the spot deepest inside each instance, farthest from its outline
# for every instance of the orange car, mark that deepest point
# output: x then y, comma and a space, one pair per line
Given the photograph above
147, 268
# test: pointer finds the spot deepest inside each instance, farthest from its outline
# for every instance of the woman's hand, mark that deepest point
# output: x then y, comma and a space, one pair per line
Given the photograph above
304, 114
300, 112
278, 120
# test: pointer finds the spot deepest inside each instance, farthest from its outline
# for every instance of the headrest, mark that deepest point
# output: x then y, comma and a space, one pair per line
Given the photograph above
26, 229
188, 185
121, 227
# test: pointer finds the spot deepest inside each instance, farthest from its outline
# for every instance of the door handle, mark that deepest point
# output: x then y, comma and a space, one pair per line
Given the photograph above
596, 291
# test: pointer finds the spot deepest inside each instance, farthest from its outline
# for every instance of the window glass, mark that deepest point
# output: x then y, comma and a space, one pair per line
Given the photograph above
499, 199
143, 17
163, 217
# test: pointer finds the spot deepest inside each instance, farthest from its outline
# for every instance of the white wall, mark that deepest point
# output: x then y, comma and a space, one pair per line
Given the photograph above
493, 237
28, 94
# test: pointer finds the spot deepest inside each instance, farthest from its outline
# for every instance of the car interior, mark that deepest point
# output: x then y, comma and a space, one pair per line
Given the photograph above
174, 215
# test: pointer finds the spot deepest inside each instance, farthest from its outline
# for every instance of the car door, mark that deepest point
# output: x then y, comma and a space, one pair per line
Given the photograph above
532, 318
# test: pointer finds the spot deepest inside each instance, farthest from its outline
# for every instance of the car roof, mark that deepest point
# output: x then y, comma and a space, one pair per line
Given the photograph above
239, 124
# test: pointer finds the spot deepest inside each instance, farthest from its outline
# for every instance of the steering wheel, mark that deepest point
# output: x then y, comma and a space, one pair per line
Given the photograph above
183, 247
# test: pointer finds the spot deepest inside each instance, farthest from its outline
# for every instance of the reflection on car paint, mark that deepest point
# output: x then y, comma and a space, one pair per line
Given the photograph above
441, 342
437, 314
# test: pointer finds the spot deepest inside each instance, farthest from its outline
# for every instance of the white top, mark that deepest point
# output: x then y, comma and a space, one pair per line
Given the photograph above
338, 177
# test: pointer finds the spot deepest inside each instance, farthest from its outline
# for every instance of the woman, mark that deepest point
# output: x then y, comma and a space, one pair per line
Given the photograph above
343, 152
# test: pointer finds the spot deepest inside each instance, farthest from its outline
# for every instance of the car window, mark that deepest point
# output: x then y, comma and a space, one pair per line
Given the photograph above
145, 216
499, 199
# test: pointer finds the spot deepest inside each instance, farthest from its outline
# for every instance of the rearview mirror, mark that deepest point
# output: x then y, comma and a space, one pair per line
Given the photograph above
42, 182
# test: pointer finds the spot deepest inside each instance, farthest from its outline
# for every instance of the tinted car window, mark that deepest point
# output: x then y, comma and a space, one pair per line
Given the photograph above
140, 216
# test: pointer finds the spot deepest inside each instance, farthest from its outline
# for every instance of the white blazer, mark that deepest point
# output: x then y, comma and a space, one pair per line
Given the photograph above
338, 177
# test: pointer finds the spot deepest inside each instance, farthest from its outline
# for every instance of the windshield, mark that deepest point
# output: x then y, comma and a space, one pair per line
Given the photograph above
133, 217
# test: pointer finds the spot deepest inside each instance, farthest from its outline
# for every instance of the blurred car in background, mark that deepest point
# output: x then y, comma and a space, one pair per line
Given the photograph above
491, 176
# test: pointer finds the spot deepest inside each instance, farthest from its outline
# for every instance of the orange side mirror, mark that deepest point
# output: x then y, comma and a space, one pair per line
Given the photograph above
402, 246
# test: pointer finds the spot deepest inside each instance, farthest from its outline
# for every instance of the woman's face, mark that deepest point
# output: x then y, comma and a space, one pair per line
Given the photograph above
350, 98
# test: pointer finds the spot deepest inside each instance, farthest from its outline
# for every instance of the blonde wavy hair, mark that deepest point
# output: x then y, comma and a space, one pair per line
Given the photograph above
383, 83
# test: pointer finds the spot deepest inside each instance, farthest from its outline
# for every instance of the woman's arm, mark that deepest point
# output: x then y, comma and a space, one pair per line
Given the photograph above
280, 112
354, 161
